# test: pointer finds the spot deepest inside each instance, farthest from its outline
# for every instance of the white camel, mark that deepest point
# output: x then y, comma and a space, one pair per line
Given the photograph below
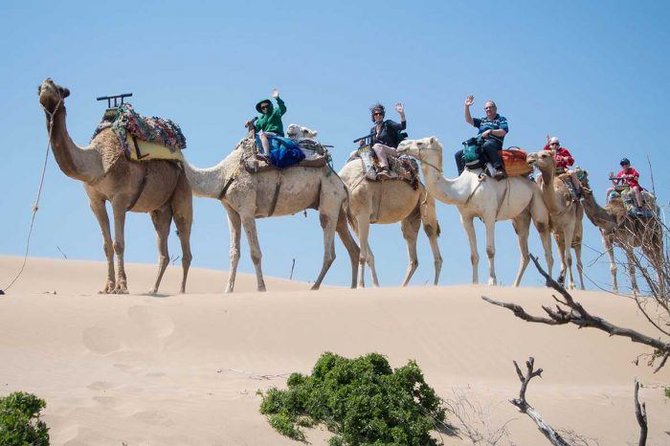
477, 195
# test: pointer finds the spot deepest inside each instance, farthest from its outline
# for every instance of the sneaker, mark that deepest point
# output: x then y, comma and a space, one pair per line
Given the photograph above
383, 175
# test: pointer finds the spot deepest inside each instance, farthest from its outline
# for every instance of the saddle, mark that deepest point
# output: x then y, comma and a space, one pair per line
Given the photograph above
315, 155
405, 167
141, 138
649, 208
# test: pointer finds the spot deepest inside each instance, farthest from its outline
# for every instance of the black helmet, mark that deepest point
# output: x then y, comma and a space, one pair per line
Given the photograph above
377, 108
624, 161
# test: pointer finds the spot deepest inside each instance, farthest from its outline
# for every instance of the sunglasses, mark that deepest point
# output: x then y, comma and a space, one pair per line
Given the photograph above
377, 114
555, 144
265, 106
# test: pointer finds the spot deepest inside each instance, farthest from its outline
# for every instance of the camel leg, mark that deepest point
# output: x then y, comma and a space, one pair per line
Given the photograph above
235, 228
410, 231
328, 223
609, 247
491, 249
100, 212
363, 226
472, 239
182, 208
432, 229
521, 226
350, 245
540, 217
119, 209
249, 224
569, 235
577, 245
560, 242
373, 269
630, 258
161, 218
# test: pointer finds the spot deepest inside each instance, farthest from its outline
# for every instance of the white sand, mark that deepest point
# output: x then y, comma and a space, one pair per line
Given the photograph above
185, 369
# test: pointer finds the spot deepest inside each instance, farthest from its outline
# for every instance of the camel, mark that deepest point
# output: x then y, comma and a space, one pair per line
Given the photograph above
620, 229
390, 201
158, 187
247, 196
565, 216
477, 195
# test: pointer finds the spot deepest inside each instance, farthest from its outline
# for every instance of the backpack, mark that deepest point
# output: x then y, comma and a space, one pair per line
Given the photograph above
472, 152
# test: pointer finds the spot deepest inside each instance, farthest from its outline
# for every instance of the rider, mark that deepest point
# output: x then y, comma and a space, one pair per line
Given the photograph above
492, 129
563, 159
269, 123
630, 177
385, 136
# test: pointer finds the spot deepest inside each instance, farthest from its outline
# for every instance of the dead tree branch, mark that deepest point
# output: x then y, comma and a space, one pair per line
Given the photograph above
641, 415
523, 406
577, 315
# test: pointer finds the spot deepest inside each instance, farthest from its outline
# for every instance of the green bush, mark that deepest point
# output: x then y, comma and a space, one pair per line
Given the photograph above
667, 392
20, 423
362, 400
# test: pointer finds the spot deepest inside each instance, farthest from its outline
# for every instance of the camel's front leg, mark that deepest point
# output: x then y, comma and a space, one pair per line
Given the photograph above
609, 247
161, 218
521, 226
100, 212
235, 228
249, 223
182, 210
491, 249
352, 248
569, 235
472, 239
363, 226
630, 258
119, 209
328, 223
410, 231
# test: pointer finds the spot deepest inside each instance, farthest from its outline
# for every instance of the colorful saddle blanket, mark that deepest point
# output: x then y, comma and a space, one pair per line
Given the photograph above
649, 208
405, 167
130, 127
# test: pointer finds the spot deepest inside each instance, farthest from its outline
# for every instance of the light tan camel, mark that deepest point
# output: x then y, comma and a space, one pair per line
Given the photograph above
476, 195
390, 201
618, 228
157, 187
565, 216
248, 196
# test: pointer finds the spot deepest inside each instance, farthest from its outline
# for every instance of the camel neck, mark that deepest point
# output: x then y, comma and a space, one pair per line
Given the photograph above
449, 191
598, 215
75, 162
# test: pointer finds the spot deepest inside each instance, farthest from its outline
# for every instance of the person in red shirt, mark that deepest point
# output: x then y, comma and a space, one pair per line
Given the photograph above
630, 177
563, 160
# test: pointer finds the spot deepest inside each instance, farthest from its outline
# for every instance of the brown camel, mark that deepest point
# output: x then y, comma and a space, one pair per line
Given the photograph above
247, 196
565, 216
476, 195
620, 229
158, 187
390, 201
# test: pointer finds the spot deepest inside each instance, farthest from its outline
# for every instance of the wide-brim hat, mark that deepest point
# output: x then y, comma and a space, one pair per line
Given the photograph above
264, 101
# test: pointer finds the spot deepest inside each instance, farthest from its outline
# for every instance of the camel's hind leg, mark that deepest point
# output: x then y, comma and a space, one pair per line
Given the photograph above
100, 211
521, 224
432, 229
328, 223
363, 230
235, 229
182, 208
350, 245
609, 247
410, 231
577, 246
161, 218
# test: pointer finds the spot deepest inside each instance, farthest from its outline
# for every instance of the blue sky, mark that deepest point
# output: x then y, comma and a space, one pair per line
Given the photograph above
594, 74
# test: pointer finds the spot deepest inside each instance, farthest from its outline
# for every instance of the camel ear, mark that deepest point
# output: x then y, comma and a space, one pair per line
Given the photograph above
65, 92
432, 140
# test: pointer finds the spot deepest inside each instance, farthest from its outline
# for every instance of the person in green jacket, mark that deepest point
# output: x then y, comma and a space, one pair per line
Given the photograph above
269, 123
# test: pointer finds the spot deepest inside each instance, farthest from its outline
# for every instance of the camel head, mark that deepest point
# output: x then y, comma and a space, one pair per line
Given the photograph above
425, 149
544, 160
295, 131
51, 94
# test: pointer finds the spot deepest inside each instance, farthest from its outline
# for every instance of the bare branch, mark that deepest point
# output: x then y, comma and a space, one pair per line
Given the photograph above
523, 406
641, 415
577, 315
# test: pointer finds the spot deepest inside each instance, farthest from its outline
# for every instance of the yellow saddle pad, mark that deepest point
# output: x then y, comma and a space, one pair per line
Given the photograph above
146, 151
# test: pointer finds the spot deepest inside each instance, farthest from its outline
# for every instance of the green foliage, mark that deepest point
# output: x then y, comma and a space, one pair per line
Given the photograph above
667, 392
362, 400
20, 423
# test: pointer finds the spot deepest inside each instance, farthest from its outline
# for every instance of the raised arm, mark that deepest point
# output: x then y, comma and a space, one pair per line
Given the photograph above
468, 102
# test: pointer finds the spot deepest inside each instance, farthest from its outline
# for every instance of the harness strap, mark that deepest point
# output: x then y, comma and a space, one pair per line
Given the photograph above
503, 199
222, 194
140, 190
137, 149
275, 197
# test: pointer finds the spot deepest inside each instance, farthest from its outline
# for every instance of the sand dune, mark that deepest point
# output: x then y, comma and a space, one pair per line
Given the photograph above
185, 369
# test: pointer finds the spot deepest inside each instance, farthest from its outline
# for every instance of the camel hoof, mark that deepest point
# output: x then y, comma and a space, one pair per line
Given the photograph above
315, 287
261, 289
152, 292
493, 282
